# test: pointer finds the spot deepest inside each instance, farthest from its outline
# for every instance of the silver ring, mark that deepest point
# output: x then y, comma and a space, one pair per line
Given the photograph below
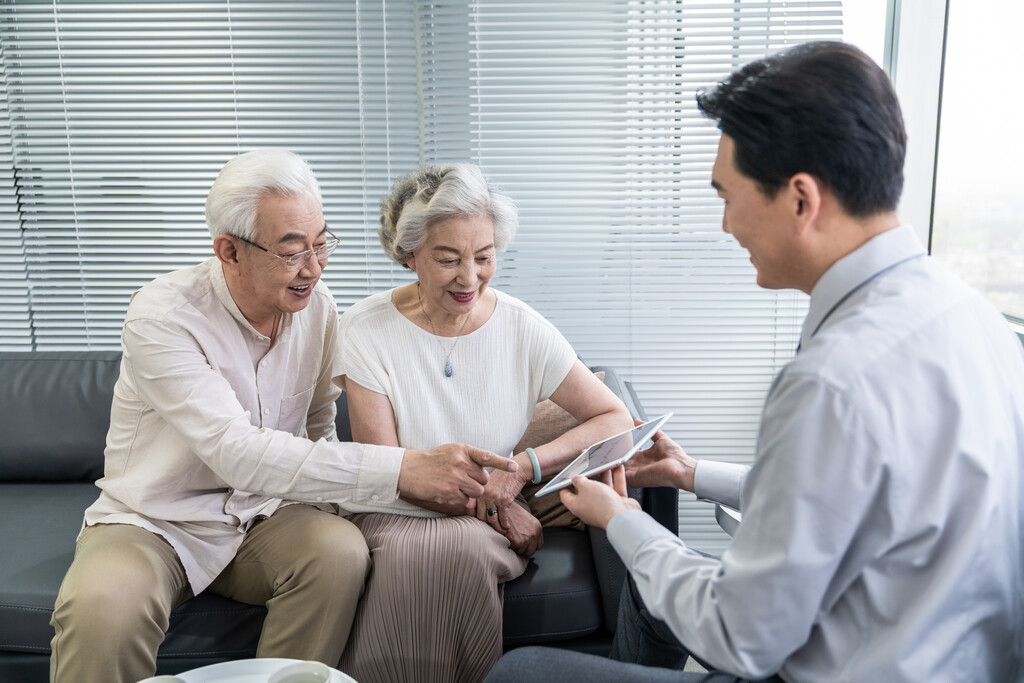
490, 512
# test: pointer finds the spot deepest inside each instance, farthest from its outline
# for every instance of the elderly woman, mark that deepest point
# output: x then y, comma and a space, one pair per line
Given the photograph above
448, 358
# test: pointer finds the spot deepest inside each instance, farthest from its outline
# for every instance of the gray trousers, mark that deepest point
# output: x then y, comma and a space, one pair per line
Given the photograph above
644, 651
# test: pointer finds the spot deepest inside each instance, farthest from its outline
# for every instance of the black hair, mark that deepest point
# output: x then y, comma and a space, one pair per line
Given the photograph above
822, 108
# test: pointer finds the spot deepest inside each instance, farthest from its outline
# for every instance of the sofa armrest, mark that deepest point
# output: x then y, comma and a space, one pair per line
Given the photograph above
341, 423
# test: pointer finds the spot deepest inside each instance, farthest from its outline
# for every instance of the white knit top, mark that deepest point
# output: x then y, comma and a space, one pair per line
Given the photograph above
500, 372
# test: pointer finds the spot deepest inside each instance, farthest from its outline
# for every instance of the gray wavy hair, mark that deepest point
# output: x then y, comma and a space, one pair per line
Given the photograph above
435, 193
246, 179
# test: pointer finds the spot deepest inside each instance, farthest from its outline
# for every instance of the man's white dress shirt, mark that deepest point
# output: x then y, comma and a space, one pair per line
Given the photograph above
882, 518
212, 426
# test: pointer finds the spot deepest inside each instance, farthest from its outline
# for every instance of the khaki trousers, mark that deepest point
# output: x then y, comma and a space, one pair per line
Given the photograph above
307, 566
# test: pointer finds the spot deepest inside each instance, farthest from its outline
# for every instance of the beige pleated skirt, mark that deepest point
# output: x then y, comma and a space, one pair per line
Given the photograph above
431, 610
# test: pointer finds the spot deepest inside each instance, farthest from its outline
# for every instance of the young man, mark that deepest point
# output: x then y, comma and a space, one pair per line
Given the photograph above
223, 470
883, 518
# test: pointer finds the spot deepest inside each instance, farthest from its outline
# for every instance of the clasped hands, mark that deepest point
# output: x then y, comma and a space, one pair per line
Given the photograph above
453, 478
496, 506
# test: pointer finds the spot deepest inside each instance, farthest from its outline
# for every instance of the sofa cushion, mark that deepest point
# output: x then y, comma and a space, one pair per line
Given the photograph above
39, 522
558, 596
30, 578
60, 402
213, 626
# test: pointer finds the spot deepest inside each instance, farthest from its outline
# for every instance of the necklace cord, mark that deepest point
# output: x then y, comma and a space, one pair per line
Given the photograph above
447, 359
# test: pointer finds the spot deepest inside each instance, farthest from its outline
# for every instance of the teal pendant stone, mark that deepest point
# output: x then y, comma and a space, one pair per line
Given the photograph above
448, 369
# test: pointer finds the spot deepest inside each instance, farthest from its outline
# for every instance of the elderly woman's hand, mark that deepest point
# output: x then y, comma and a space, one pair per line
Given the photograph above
499, 493
524, 532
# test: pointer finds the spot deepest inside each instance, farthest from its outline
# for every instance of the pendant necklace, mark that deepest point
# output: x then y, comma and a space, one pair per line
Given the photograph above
448, 372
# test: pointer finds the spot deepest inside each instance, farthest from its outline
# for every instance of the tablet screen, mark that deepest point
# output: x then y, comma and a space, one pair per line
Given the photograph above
605, 454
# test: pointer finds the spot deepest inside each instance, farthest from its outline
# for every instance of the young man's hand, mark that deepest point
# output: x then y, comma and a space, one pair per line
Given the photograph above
665, 463
597, 502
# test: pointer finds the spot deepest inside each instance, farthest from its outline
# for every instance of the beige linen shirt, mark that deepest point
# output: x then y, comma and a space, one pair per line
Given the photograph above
212, 427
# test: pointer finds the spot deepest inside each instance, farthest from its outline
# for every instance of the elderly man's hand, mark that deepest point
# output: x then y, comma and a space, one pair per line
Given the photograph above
597, 502
449, 474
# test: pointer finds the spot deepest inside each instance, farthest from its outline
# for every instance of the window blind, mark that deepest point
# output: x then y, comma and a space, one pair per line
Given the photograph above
587, 118
125, 112
121, 113
15, 333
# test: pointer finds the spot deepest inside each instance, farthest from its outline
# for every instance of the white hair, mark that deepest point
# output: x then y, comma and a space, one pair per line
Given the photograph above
435, 193
246, 179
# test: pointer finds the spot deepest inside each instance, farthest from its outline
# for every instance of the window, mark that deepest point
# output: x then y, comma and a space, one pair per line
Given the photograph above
978, 210
118, 115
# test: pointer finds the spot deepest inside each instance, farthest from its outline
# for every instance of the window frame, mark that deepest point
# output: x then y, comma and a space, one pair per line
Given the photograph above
915, 57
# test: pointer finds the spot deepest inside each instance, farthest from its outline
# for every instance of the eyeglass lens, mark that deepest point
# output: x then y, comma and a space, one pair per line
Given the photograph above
299, 261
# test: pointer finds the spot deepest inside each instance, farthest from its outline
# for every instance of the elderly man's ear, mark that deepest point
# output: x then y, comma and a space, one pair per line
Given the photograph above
226, 249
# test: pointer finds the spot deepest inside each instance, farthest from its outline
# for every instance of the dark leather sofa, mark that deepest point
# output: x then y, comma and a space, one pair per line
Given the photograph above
55, 409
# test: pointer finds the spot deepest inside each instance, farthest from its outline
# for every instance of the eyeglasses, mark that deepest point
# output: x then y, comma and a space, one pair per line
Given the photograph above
296, 262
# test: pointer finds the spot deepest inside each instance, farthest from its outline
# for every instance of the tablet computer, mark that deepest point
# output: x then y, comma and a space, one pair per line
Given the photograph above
605, 454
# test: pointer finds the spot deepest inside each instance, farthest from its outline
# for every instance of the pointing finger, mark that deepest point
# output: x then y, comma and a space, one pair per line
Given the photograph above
488, 459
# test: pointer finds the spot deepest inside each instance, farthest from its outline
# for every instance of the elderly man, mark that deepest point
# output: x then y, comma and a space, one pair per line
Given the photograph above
223, 470
883, 517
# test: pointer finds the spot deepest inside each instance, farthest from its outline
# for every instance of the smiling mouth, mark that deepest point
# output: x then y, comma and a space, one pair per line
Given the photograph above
462, 297
301, 288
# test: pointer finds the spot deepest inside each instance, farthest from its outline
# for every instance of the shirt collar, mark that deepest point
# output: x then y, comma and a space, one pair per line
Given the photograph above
847, 274
220, 288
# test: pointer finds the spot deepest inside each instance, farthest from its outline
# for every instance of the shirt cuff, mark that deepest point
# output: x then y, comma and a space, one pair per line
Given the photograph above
721, 482
631, 529
378, 474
